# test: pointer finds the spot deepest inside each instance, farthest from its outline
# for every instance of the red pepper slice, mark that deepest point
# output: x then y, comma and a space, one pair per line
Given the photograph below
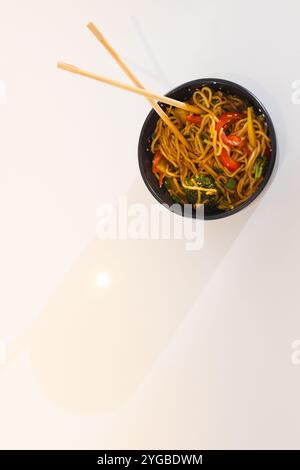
156, 158
228, 162
194, 118
224, 120
231, 140
227, 118
156, 169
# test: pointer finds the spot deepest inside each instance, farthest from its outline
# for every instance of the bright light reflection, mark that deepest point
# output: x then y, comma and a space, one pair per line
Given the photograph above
103, 279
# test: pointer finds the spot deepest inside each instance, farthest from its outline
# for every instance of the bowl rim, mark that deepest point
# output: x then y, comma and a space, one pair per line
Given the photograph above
271, 132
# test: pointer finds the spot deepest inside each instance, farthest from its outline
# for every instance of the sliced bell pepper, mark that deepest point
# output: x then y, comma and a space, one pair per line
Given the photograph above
224, 120
159, 166
194, 118
228, 162
231, 140
227, 118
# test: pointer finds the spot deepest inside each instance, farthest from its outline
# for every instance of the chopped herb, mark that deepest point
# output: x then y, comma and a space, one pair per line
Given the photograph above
204, 135
206, 181
218, 170
231, 184
191, 195
211, 200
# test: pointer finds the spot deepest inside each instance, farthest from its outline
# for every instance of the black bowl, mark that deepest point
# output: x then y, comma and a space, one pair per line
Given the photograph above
184, 93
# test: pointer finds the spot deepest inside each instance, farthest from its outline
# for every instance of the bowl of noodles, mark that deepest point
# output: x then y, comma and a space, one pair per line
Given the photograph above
225, 159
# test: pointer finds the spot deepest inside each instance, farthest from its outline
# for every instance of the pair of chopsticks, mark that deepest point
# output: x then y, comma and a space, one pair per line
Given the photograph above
153, 98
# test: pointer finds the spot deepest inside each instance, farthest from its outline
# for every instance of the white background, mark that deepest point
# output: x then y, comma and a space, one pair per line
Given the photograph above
181, 350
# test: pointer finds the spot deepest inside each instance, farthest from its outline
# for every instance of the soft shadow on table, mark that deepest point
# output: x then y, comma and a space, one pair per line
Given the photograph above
93, 345
159, 73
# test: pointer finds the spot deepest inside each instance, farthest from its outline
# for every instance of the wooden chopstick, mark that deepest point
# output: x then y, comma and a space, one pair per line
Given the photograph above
95, 31
99, 36
139, 91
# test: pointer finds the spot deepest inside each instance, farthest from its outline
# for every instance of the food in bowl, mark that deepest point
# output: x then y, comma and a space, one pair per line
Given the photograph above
227, 155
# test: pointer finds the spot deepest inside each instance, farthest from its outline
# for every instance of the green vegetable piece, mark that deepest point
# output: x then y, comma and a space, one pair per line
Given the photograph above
168, 183
231, 184
259, 166
211, 200
191, 195
218, 170
206, 181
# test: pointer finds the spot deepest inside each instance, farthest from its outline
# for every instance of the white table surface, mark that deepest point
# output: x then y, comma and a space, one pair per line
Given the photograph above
207, 363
